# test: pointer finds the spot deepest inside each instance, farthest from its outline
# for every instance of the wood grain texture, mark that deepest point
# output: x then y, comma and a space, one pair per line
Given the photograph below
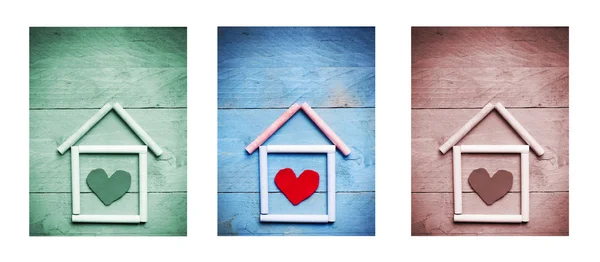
50, 214
73, 72
275, 67
137, 67
455, 72
238, 171
355, 215
433, 215
262, 71
520, 67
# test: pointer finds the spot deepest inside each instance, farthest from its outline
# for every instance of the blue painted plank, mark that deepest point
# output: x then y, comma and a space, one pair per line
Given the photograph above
281, 87
262, 47
238, 214
238, 171
275, 67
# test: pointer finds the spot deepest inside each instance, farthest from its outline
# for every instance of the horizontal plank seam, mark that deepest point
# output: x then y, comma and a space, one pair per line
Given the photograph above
277, 192
134, 192
472, 192
317, 107
508, 107
96, 108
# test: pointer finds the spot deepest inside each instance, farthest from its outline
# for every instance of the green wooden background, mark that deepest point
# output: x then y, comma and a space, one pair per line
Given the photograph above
74, 72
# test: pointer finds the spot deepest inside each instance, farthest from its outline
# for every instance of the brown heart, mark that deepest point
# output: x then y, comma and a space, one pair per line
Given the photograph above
490, 189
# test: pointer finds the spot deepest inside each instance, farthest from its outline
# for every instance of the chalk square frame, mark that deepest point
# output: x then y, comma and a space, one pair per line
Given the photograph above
142, 152
485, 149
264, 185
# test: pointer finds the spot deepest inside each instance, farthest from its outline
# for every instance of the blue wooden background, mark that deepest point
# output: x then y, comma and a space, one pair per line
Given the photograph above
263, 71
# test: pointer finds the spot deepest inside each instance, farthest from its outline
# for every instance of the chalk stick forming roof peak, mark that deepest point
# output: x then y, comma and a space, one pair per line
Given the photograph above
286, 116
64, 147
535, 146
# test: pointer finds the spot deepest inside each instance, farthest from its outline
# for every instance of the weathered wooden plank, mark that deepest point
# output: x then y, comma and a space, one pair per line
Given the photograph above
50, 214
432, 214
432, 171
238, 214
262, 47
514, 87
85, 47
490, 47
281, 87
129, 86
238, 171
50, 171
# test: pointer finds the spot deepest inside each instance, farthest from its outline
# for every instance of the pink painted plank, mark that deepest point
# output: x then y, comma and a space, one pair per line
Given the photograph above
490, 47
432, 215
432, 171
513, 87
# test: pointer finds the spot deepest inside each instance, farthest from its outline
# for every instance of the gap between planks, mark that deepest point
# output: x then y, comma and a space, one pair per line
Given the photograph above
96, 108
278, 192
135, 192
507, 107
313, 107
472, 192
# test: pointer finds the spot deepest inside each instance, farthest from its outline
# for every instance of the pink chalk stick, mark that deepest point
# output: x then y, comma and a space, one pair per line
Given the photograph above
272, 128
326, 130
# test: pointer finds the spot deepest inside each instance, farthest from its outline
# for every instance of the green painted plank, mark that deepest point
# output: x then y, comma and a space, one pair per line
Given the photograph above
93, 87
87, 67
50, 214
238, 214
87, 47
51, 172
238, 170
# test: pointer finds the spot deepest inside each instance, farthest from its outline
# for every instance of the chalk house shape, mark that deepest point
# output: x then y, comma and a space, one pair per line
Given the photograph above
523, 150
329, 150
141, 151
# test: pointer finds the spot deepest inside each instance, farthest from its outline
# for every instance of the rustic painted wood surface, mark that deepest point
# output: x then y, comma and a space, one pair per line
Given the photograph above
455, 72
262, 71
74, 72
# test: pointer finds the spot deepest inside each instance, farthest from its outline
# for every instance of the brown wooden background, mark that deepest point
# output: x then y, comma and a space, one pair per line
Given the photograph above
455, 72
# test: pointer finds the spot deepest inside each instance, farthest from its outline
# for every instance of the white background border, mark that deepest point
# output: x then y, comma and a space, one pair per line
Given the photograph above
393, 129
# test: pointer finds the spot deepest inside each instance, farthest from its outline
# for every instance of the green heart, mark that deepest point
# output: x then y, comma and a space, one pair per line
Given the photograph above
108, 189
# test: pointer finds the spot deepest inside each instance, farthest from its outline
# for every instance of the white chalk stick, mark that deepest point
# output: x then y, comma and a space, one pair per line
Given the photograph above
295, 218
457, 173
75, 180
488, 218
466, 128
537, 148
272, 128
143, 200
106, 219
138, 130
84, 128
501, 149
331, 186
326, 129
525, 187
110, 149
264, 186
300, 148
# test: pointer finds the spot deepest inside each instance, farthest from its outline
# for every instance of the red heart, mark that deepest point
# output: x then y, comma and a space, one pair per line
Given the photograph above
297, 189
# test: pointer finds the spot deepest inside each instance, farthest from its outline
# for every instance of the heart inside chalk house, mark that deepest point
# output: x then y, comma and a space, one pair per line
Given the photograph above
297, 189
108, 189
490, 189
